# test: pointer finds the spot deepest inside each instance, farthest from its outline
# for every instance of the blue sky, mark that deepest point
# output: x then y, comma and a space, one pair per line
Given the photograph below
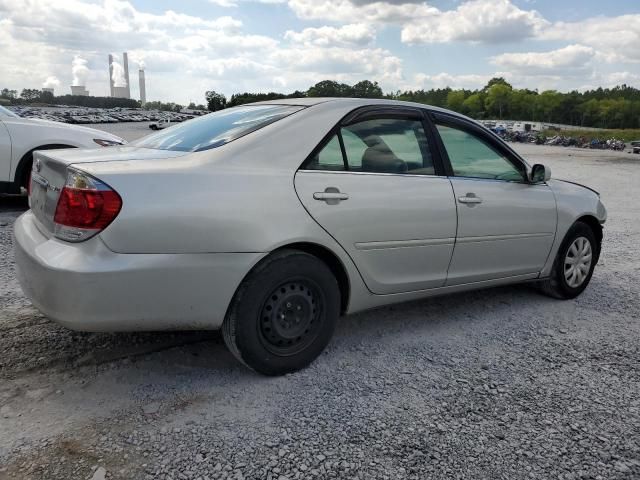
231, 46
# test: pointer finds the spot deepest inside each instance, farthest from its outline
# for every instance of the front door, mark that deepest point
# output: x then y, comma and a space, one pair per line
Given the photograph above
373, 185
506, 225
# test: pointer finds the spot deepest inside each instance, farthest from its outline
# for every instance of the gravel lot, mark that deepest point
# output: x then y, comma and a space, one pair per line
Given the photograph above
495, 384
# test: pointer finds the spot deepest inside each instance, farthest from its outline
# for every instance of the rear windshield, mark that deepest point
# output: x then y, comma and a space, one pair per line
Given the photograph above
7, 113
215, 129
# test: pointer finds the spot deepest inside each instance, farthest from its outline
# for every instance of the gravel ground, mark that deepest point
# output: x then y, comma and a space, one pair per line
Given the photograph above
497, 384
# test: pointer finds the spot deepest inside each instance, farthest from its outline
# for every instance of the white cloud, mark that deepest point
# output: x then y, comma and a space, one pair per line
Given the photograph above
472, 21
51, 82
348, 11
443, 80
487, 21
235, 3
353, 34
570, 60
616, 38
374, 63
183, 55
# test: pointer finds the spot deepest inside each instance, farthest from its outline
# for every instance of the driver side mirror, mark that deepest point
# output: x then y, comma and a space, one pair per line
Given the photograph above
539, 173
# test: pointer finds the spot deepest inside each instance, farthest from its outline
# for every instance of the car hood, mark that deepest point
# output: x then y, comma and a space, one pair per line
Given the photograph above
93, 132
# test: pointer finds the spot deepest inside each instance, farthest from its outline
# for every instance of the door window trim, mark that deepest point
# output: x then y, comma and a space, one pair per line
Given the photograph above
374, 112
483, 135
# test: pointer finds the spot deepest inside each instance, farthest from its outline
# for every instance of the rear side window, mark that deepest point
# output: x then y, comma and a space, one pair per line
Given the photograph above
384, 145
216, 129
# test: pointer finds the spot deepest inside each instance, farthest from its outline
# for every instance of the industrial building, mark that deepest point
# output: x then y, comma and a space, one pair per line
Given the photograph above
79, 90
143, 87
119, 84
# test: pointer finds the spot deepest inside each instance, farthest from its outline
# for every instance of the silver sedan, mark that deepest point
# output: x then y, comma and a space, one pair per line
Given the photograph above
270, 220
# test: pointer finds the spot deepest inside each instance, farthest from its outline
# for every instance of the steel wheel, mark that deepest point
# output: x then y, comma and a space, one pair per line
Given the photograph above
577, 262
290, 318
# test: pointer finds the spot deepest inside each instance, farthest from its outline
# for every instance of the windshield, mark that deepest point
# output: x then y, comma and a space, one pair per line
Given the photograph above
5, 112
216, 129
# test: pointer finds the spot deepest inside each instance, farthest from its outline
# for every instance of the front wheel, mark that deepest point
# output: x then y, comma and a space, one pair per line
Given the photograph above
283, 314
574, 263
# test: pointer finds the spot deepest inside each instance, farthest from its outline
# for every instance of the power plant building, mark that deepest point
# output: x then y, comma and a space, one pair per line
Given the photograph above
143, 87
119, 79
79, 90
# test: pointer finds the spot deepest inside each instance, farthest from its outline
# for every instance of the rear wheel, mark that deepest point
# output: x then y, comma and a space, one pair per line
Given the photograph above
574, 263
283, 314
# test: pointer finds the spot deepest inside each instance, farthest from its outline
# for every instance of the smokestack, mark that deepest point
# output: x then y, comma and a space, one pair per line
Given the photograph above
143, 87
125, 61
111, 85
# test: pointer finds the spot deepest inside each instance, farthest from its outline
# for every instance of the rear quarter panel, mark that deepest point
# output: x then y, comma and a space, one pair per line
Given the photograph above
236, 198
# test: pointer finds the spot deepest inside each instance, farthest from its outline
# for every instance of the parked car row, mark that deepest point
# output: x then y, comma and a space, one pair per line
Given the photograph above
20, 137
82, 115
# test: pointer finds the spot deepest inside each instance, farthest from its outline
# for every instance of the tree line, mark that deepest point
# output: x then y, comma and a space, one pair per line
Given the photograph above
617, 107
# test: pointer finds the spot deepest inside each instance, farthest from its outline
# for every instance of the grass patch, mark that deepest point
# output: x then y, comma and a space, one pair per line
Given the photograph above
626, 135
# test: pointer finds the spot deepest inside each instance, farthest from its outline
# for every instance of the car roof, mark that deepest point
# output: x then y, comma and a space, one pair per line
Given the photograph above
355, 102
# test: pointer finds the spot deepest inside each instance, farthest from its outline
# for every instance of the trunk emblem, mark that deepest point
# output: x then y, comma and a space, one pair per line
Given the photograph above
37, 165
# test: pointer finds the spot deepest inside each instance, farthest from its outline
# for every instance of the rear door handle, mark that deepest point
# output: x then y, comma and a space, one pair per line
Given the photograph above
470, 198
331, 195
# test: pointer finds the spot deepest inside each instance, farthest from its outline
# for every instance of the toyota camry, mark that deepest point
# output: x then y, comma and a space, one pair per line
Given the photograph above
271, 220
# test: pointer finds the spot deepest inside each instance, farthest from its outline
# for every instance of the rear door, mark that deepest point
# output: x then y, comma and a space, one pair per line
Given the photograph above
506, 225
376, 187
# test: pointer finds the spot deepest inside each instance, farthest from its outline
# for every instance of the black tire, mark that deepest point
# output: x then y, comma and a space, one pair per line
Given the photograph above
556, 285
283, 314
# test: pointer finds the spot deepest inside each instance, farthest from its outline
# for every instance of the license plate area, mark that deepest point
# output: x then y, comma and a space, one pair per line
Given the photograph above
38, 197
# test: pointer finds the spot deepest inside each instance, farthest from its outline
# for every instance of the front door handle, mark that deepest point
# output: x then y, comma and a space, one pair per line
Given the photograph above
470, 199
331, 195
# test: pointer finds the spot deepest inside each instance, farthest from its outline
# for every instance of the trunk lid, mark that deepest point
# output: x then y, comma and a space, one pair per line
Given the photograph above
49, 174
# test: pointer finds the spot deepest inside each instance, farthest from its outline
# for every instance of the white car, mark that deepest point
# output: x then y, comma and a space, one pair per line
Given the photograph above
20, 137
160, 124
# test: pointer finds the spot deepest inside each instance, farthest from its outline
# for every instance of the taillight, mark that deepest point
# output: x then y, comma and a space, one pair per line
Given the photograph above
85, 207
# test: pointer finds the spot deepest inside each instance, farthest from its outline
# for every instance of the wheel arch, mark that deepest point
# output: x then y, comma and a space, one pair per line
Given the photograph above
325, 255
23, 164
331, 260
593, 223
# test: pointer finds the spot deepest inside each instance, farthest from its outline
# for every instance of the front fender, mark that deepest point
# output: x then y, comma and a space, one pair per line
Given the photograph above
573, 201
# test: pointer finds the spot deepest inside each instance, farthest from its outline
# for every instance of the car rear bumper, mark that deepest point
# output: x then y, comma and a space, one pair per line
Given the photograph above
85, 286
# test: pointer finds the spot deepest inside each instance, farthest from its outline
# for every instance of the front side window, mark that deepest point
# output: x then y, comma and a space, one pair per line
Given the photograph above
215, 129
387, 145
471, 157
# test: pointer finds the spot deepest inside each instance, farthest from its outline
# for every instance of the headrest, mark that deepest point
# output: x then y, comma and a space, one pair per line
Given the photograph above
381, 159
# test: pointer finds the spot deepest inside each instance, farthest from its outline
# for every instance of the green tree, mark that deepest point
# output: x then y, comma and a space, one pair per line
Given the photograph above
498, 97
46, 97
366, 89
474, 105
496, 81
9, 94
30, 94
215, 101
548, 102
330, 88
455, 100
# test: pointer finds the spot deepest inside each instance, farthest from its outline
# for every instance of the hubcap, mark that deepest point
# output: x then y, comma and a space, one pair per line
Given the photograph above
291, 316
577, 262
